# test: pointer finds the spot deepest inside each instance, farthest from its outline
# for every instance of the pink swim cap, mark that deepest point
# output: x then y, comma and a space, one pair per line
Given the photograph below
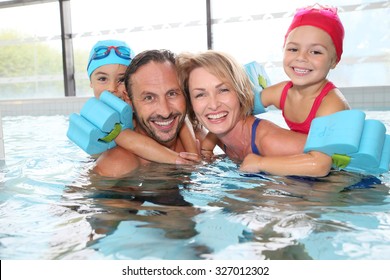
325, 18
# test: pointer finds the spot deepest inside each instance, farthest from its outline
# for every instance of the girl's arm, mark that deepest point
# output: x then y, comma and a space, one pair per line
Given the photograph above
282, 154
271, 95
312, 164
145, 147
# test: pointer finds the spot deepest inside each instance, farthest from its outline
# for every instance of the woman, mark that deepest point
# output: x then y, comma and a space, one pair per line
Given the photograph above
221, 100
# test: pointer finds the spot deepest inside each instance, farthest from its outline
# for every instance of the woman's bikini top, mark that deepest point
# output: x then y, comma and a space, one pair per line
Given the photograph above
255, 150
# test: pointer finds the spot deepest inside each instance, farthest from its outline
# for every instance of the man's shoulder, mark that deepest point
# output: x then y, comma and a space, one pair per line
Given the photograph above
116, 162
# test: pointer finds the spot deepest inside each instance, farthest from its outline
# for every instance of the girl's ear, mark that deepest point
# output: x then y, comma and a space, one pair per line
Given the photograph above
333, 66
334, 63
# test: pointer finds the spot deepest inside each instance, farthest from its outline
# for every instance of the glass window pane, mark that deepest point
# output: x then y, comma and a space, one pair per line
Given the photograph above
252, 30
30, 52
171, 24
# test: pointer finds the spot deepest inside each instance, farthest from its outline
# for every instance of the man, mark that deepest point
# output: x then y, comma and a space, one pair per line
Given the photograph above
159, 106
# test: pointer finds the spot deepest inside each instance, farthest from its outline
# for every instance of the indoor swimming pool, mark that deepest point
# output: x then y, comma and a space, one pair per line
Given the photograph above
52, 207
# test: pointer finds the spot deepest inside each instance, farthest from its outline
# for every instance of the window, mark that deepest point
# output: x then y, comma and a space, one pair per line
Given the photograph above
30, 52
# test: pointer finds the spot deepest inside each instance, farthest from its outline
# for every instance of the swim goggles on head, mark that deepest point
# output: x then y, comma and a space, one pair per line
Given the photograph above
103, 51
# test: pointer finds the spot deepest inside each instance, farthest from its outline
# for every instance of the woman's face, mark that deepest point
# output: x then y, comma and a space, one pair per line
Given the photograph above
214, 102
109, 77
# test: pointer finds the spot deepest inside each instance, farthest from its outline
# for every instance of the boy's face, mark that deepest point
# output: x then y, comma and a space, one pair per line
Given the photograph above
109, 77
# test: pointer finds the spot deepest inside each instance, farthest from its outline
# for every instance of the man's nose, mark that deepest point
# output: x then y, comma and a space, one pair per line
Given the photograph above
164, 108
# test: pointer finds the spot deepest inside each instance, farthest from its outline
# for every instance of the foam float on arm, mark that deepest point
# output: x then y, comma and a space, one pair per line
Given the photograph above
99, 123
354, 143
260, 80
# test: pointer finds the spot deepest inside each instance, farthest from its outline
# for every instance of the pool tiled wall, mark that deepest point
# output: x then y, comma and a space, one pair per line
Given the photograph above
369, 98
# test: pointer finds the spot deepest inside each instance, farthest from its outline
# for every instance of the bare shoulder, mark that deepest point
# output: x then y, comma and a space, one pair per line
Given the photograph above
276, 141
271, 95
333, 102
116, 162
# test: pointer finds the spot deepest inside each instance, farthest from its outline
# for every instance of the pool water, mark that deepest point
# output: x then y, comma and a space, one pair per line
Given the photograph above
52, 207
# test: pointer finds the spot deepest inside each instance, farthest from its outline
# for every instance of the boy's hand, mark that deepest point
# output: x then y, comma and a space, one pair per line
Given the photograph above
187, 158
207, 154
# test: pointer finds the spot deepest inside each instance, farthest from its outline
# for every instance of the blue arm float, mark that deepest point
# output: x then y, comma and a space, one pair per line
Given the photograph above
354, 143
99, 122
260, 80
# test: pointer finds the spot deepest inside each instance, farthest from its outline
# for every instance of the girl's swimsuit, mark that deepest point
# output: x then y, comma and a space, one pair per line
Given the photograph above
304, 126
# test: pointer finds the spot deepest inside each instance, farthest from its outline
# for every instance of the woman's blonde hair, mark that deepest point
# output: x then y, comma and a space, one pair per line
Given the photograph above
224, 67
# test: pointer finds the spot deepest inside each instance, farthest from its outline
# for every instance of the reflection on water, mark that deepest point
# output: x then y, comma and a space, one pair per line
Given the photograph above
214, 212
52, 208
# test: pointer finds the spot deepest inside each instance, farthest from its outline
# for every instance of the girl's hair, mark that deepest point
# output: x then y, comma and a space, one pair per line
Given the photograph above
224, 67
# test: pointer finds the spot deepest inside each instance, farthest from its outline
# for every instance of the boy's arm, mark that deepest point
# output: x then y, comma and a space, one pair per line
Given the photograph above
187, 137
208, 145
147, 148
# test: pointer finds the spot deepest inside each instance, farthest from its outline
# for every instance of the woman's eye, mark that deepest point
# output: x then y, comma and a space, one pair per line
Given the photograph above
198, 94
224, 90
292, 49
121, 80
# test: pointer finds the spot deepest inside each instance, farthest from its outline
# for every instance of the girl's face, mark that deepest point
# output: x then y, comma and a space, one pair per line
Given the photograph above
309, 54
109, 77
214, 102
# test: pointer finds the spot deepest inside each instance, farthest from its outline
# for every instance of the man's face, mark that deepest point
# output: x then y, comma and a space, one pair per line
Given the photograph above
158, 102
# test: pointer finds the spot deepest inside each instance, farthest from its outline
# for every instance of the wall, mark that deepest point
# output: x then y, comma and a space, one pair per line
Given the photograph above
369, 98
